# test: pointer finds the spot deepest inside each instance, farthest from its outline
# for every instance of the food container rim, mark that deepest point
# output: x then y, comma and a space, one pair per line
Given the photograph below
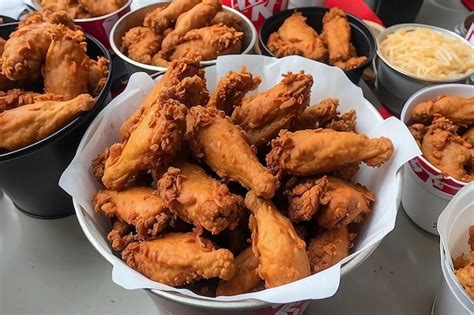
69, 127
404, 73
37, 5
247, 304
118, 52
404, 117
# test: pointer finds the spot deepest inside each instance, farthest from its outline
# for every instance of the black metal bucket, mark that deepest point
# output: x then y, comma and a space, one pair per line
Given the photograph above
30, 175
362, 37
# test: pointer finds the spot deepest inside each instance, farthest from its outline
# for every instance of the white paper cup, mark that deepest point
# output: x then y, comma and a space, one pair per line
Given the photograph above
453, 226
426, 190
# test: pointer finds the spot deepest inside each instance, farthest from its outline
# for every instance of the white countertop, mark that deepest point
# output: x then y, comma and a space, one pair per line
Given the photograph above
49, 267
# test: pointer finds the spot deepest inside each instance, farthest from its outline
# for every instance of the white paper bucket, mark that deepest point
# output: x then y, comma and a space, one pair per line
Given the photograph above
453, 226
426, 190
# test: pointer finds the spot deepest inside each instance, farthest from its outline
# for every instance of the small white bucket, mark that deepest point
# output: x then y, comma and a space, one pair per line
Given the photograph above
453, 226
426, 191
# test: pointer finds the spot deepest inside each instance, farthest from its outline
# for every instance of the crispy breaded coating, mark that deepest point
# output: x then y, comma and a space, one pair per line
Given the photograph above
164, 17
222, 145
97, 75
18, 97
120, 235
102, 7
229, 19
317, 116
459, 110
265, 114
304, 198
188, 258
141, 44
198, 198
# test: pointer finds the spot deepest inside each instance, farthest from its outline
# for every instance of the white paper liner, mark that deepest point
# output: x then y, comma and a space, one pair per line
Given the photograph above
80, 183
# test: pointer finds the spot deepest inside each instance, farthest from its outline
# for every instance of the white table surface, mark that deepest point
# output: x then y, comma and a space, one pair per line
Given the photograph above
49, 267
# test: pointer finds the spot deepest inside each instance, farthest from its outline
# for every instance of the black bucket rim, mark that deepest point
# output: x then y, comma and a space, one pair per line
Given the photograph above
76, 122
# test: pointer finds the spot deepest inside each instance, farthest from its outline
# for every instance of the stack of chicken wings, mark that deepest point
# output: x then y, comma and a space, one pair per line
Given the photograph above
46, 78
296, 37
444, 130
184, 28
234, 193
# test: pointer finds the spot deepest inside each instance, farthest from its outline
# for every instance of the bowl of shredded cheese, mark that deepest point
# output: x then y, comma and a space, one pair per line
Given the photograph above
412, 56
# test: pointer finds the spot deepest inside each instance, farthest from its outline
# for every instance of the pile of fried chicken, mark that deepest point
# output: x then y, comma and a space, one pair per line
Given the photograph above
188, 187
464, 268
334, 47
82, 9
46, 78
444, 130
184, 28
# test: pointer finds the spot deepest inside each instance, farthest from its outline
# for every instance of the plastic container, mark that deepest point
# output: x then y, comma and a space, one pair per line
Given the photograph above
100, 26
362, 36
426, 190
258, 10
453, 226
135, 18
30, 175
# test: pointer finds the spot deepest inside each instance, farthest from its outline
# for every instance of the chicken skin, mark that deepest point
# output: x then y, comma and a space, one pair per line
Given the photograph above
197, 17
223, 146
74, 9
459, 110
152, 144
198, 198
231, 90
18, 97
97, 75
265, 114
162, 18
67, 65
27, 124
188, 258
311, 152
329, 247
337, 37
103, 7
136, 206
246, 276
141, 44
177, 71
317, 116
208, 42
229, 19
120, 235
296, 37
344, 203
281, 252
447, 151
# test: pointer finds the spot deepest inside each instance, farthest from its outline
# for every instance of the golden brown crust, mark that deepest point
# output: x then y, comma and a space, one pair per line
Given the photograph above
188, 258
317, 116
199, 199
18, 97
265, 114
97, 75
163, 17
223, 146
459, 110
120, 235
304, 198
141, 44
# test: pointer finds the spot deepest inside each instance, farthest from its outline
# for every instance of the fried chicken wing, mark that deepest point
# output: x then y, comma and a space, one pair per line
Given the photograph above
229, 19
198, 198
281, 252
246, 276
136, 206
18, 97
446, 150
152, 144
27, 124
188, 258
74, 9
177, 71
466, 277
317, 116
337, 37
141, 44
328, 248
345, 122
25, 50
223, 146
311, 152
197, 17
208, 42
67, 65
232, 88
304, 198
102, 7
344, 203
120, 235
162, 18
264, 115
97, 75
418, 131
296, 37
459, 110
